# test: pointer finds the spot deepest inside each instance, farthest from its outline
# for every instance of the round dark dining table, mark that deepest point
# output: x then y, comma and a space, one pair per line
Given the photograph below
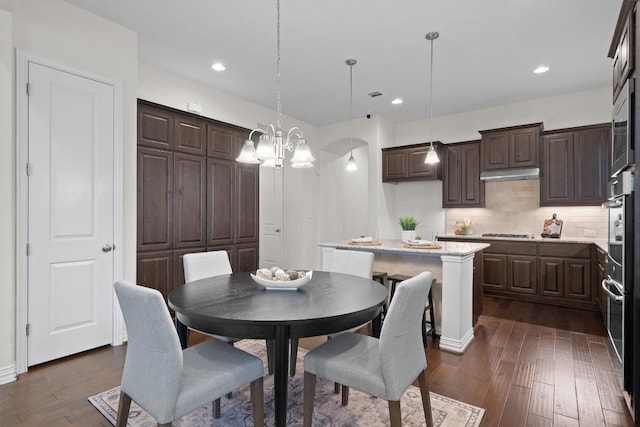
236, 306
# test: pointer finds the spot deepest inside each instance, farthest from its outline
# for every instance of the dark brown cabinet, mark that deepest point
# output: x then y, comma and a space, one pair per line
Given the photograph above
554, 273
601, 268
461, 185
623, 55
575, 166
406, 163
192, 195
510, 148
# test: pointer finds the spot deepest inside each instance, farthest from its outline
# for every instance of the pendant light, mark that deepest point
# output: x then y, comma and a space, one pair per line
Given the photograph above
432, 155
351, 164
273, 142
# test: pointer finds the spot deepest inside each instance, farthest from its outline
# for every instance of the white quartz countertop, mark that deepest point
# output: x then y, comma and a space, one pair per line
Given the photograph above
601, 243
397, 246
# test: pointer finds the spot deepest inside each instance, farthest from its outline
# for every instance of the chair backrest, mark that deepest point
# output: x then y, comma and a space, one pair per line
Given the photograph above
205, 264
358, 263
153, 366
401, 348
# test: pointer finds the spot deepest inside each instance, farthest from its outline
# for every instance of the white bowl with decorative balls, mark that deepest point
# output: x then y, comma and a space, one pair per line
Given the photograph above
276, 278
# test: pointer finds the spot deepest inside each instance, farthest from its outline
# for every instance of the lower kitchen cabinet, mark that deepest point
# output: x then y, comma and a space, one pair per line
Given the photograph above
601, 269
563, 274
523, 275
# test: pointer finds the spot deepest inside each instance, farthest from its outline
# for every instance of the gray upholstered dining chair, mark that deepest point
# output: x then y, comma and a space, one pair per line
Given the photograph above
357, 263
383, 367
168, 382
201, 265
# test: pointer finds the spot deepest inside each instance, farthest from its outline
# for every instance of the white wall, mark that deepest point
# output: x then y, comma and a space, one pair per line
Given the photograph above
7, 193
64, 34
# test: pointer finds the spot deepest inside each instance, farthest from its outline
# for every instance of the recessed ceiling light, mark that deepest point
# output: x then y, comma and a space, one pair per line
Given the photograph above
218, 66
541, 69
397, 101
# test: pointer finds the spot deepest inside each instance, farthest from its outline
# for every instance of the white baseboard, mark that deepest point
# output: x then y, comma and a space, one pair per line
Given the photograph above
8, 374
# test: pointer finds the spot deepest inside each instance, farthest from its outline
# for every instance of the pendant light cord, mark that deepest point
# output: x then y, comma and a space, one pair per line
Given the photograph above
351, 106
279, 103
431, 97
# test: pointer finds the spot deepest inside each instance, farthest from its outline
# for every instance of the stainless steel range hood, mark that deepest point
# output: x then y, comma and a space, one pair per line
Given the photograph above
510, 174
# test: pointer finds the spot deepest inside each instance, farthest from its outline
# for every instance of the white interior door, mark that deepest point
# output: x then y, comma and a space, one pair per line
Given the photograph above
71, 213
271, 217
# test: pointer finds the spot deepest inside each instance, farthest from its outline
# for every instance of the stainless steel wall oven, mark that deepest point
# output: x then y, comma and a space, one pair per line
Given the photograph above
619, 281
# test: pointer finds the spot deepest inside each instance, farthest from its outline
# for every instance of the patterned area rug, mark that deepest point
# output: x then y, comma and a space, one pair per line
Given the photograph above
363, 410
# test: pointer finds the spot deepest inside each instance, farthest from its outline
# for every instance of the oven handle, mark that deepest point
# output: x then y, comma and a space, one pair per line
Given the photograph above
616, 298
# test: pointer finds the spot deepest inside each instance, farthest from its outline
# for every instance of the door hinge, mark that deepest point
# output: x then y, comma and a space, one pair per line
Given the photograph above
28, 328
28, 89
28, 169
28, 249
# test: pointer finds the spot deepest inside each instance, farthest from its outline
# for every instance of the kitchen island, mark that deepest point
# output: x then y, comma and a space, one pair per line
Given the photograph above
452, 267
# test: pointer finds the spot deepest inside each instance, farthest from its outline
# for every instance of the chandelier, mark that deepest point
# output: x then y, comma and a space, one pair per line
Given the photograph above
273, 142
432, 155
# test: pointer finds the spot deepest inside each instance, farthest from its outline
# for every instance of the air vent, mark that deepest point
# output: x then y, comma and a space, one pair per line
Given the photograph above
375, 93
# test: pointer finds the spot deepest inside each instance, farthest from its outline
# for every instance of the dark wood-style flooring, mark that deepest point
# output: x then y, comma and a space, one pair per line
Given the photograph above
529, 365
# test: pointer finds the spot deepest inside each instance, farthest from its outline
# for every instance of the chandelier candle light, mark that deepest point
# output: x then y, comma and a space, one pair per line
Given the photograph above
432, 156
273, 143
351, 164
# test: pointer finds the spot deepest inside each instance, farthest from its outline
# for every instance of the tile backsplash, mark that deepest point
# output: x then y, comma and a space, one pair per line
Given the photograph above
513, 207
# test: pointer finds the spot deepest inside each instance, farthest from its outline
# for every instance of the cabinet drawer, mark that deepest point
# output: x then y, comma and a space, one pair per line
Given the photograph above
515, 248
566, 250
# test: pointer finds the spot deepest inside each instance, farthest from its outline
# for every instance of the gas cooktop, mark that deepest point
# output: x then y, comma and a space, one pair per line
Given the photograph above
517, 236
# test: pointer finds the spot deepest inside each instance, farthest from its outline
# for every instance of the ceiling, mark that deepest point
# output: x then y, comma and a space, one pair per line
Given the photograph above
484, 57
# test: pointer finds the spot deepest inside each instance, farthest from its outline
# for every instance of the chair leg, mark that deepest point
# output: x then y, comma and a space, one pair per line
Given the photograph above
432, 315
394, 413
426, 401
336, 388
345, 395
164, 424
123, 410
293, 358
257, 401
270, 344
216, 408
309, 395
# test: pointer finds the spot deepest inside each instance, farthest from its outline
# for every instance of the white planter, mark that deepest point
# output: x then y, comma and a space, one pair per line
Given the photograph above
408, 235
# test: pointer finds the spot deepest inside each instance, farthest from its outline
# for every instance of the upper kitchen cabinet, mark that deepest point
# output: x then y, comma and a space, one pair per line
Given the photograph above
622, 48
461, 185
575, 166
406, 163
510, 148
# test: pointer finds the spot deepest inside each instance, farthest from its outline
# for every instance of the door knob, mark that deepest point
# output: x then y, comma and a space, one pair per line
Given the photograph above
277, 230
107, 248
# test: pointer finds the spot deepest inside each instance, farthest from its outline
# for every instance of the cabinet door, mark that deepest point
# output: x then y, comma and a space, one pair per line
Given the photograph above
246, 258
189, 135
394, 165
247, 209
418, 168
523, 274
477, 286
472, 189
494, 271
155, 270
523, 147
556, 182
495, 150
190, 188
591, 166
220, 202
222, 142
155, 127
452, 177
155, 199
577, 279
551, 276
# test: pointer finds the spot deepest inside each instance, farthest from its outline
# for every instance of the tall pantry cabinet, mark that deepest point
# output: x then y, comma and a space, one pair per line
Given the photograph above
192, 195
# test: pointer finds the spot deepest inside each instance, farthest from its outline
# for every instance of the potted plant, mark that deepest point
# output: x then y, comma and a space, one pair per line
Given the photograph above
408, 224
